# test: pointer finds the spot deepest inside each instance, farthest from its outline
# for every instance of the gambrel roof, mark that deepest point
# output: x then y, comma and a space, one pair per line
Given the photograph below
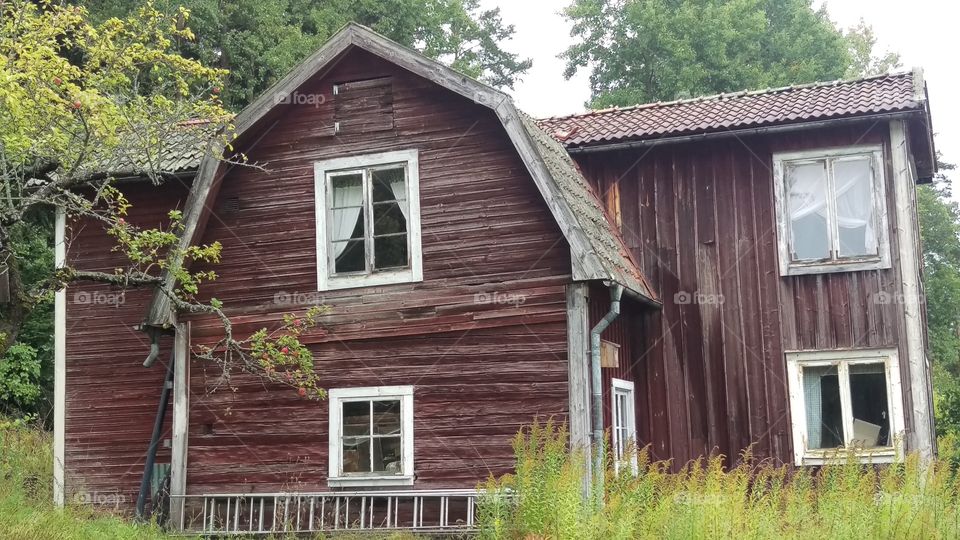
596, 250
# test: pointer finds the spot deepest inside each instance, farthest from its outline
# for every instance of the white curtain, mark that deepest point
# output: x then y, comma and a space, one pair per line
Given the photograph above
808, 190
345, 194
855, 200
399, 188
808, 195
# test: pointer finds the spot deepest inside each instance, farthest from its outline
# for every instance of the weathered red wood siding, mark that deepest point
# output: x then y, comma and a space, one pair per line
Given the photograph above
700, 218
111, 399
482, 338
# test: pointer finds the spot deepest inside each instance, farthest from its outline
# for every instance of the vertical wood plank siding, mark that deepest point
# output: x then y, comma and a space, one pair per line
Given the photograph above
111, 399
699, 218
482, 339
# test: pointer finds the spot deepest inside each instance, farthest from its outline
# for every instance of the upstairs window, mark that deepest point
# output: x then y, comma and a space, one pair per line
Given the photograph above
368, 221
831, 211
845, 402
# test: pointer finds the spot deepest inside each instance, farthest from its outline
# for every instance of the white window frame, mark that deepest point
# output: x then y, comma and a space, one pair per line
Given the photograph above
621, 387
789, 267
326, 280
843, 359
336, 397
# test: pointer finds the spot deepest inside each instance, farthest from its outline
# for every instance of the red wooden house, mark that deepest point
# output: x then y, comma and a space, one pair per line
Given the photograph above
698, 276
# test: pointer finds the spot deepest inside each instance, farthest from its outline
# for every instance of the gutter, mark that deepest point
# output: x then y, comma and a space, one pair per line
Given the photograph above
616, 292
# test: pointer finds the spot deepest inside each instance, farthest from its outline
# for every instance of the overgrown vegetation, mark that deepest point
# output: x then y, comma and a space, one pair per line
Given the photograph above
753, 500
26, 494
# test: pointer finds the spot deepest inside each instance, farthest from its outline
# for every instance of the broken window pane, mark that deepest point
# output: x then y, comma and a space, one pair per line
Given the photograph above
868, 398
853, 185
821, 396
807, 208
386, 417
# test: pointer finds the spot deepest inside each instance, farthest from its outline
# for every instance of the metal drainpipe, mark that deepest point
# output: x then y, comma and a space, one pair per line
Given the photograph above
616, 291
155, 439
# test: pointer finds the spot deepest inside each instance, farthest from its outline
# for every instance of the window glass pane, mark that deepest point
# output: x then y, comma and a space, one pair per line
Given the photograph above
347, 223
388, 219
356, 455
389, 184
807, 211
386, 417
356, 418
853, 182
821, 396
346, 190
390, 252
349, 256
868, 397
387, 455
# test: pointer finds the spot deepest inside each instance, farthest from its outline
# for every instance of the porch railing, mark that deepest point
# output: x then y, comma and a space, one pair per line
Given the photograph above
427, 511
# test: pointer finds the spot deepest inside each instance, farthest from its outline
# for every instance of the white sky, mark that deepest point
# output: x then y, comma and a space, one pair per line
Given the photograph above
922, 31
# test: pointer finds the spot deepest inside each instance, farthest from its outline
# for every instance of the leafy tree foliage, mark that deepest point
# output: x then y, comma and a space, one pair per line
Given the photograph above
260, 40
641, 51
84, 104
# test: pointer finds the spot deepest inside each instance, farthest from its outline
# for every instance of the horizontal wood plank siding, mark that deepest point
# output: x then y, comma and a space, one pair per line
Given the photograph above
111, 399
482, 339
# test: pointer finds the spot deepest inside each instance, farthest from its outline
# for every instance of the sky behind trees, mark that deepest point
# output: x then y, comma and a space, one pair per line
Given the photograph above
921, 31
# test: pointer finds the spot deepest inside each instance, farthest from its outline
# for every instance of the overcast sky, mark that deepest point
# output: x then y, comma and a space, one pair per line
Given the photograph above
920, 30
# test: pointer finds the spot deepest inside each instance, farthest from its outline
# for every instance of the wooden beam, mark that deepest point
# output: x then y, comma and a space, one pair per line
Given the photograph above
181, 421
578, 374
921, 439
59, 365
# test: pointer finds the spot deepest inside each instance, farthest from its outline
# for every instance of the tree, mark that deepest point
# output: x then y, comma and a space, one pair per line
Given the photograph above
861, 45
641, 51
84, 104
260, 40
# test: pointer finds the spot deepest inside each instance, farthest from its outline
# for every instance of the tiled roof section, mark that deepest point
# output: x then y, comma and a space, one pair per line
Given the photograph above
605, 240
802, 103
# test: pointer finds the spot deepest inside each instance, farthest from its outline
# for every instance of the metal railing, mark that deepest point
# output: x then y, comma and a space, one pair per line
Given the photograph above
427, 511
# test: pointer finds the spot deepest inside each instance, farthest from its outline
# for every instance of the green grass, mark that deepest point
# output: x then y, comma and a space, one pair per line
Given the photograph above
752, 500
26, 495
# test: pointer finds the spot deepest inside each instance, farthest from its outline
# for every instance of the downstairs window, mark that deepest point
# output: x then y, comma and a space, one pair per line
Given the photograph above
371, 436
845, 402
624, 425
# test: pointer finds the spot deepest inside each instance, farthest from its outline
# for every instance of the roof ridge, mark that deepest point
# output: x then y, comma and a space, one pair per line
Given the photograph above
727, 95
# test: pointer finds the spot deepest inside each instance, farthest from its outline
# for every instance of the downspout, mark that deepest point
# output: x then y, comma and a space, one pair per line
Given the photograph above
155, 438
616, 291
154, 347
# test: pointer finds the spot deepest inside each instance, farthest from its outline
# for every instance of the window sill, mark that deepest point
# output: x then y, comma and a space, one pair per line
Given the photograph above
866, 457
401, 277
800, 269
370, 481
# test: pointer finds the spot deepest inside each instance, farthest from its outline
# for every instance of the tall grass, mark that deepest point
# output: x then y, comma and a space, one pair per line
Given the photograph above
26, 495
544, 498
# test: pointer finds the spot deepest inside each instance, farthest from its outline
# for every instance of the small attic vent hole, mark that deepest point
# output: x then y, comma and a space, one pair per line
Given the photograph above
230, 205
